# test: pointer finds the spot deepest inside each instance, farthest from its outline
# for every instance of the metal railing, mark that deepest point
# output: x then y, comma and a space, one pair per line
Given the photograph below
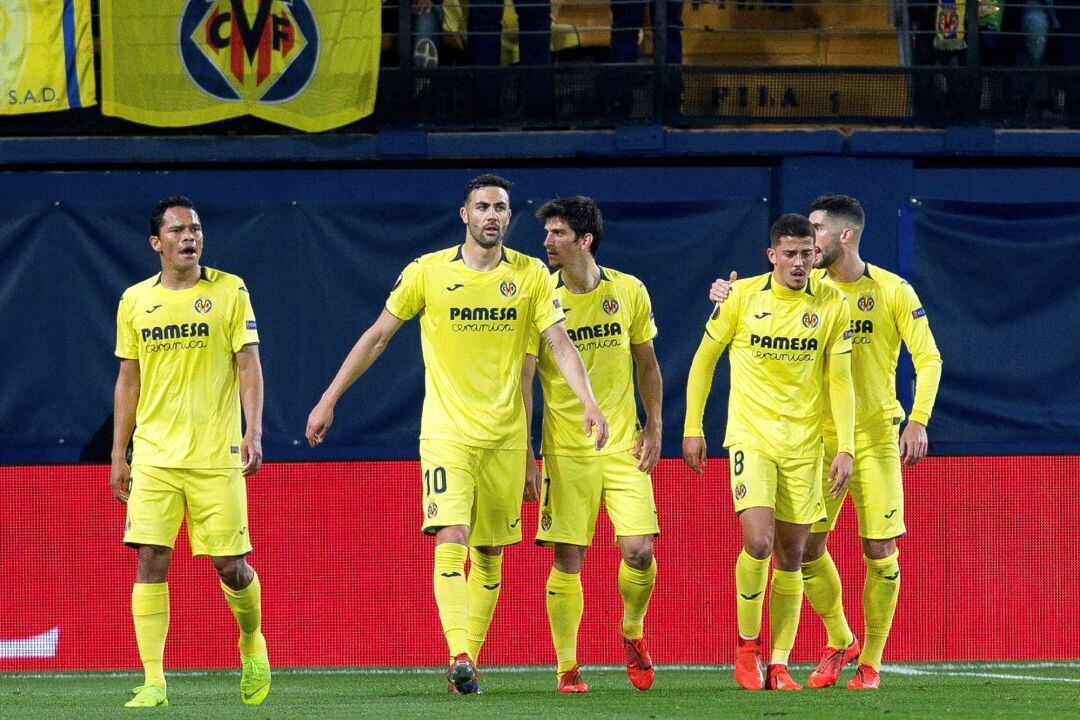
742, 62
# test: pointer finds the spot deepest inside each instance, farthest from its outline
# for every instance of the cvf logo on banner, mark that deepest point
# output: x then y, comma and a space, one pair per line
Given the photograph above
263, 51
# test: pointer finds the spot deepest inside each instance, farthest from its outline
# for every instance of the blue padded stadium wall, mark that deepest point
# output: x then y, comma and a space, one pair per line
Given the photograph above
981, 222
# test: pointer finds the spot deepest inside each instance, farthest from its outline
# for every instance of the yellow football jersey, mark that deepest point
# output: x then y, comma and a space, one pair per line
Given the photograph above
189, 392
602, 324
474, 331
780, 341
884, 311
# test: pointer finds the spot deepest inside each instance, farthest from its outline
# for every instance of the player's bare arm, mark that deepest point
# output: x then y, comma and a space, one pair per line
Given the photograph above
125, 402
249, 373
719, 290
532, 473
570, 364
694, 453
840, 473
651, 387
362, 356
913, 443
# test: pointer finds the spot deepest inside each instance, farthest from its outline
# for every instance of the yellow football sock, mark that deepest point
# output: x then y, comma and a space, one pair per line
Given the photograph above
880, 592
565, 603
636, 588
451, 595
485, 577
785, 603
150, 609
821, 583
751, 576
246, 606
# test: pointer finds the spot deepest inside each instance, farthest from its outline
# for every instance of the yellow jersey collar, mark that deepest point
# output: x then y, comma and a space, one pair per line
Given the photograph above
202, 276
502, 256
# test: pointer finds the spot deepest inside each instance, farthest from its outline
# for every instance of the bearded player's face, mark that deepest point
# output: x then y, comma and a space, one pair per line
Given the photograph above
827, 237
487, 215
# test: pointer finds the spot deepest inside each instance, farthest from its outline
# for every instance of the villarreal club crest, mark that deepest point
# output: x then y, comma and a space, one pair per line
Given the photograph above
262, 51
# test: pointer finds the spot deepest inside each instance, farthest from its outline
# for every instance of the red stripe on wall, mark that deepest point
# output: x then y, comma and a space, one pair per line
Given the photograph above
989, 571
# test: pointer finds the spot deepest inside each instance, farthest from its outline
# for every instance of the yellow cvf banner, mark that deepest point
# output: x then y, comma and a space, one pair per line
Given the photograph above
308, 64
46, 55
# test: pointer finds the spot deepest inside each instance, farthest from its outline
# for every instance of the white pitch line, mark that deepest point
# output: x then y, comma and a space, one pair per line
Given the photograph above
1022, 664
957, 669
900, 670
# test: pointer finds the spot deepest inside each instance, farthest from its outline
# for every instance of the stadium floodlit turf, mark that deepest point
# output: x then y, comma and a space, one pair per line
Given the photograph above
925, 690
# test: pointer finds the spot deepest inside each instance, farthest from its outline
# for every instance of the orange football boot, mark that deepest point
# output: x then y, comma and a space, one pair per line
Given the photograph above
779, 679
749, 665
463, 678
832, 662
570, 681
866, 678
639, 667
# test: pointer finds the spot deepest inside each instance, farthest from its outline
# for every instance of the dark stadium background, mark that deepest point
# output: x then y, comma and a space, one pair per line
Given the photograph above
976, 206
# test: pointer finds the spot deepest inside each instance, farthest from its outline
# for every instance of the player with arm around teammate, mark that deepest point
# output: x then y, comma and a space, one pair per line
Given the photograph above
787, 335
885, 311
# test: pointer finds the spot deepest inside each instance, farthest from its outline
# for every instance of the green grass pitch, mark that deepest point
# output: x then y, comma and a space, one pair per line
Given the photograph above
927, 690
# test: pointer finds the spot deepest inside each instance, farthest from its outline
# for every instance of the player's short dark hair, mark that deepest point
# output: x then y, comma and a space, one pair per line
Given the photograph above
486, 180
790, 225
157, 216
842, 208
580, 213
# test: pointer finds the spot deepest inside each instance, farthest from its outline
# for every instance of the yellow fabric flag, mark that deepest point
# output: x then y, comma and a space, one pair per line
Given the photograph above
308, 64
46, 56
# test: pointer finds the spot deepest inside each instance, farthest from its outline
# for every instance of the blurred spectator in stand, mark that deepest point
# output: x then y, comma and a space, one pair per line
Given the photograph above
627, 20
485, 30
1037, 18
1068, 55
427, 20
564, 36
484, 25
427, 24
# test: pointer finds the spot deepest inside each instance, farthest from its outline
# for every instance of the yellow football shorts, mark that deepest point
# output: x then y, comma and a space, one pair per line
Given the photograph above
214, 501
876, 487
574, 487
478, 487
790, 486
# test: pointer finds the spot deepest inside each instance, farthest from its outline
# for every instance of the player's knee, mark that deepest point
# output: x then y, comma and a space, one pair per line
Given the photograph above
816, 545
234, 572
569, 558
638, 555
786, 558
759, 545
458, 534
878, 549
154, 563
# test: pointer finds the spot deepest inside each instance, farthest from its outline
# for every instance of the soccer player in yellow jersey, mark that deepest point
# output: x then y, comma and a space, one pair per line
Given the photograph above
788, 335
477, 304
189, 359
610, 320
885, 311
